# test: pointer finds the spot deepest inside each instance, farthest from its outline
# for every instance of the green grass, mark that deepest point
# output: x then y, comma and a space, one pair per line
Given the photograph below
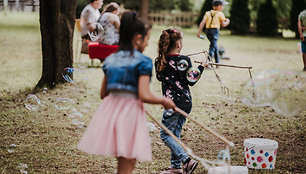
46, 139
20, 51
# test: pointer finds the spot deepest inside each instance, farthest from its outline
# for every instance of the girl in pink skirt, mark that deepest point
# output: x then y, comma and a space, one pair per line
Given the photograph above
118, 128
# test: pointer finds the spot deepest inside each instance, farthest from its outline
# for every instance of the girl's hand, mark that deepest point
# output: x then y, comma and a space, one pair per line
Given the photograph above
168, 103
302, 37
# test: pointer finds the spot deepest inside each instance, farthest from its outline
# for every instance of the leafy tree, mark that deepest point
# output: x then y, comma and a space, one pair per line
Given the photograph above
158, 5
240, 17
267, 23
184, 5
206, 7
81, 4
283, 13
297, 7
282, 9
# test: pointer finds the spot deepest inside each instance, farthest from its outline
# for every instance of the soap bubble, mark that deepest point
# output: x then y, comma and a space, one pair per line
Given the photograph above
284, 91
45, 90
33, 103
63, 103
193, 74
224, 155
299, 47
11, 148
290, 98
151, 127
259, 92
286, 108
182, 65
257, 96
73, 75
68, 74
88, 105
76, 115
23, 168
97, 33
77, 122
81, 65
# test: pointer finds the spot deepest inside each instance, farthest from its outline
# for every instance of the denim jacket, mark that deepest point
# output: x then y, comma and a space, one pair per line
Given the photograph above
123, 70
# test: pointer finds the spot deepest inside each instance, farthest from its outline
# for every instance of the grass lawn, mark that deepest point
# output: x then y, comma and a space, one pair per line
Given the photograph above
46, 139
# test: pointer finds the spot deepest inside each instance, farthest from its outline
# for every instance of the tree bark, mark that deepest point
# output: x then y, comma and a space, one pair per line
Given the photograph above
144, 9
57, 19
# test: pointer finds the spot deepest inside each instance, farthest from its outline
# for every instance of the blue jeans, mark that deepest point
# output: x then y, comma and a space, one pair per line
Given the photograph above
213, 36
303, 45
174, 122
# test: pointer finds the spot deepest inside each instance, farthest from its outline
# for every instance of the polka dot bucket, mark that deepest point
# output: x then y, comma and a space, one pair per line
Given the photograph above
260, 153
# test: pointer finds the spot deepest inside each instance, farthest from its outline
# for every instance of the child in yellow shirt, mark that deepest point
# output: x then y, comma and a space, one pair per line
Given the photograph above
212, 20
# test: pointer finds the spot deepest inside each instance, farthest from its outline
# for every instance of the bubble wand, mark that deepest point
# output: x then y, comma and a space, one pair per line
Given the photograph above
168, 131
97, 34
223, 87
204, 162
222, 138
218, 64
208, 165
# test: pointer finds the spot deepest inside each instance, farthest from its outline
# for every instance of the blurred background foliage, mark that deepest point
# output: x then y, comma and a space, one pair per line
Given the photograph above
155, 5
286, 11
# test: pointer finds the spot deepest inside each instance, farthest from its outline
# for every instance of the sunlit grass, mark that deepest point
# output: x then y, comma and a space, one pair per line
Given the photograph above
20, 51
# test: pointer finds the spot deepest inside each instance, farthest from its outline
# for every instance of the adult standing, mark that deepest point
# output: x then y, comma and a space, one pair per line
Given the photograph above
302, 32
111, 23
89, 17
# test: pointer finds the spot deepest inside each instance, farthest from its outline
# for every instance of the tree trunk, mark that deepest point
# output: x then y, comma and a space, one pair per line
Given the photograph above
57, 19
33, 7
144, 9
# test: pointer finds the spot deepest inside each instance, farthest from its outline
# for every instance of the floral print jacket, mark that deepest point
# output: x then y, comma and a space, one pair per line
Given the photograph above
176, 78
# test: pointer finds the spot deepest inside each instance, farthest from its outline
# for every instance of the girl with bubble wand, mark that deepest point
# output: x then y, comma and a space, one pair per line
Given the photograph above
118, 127
176, 73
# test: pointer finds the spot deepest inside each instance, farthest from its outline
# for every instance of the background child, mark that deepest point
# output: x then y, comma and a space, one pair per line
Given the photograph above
212, 20
302, 32
110, 21
118, 127
171, 69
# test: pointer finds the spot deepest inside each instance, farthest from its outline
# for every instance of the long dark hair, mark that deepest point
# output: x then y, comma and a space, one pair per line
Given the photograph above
111, 7
130, 25
167, 41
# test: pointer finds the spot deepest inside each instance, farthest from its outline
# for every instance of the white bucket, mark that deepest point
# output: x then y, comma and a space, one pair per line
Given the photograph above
228, 170
260, 153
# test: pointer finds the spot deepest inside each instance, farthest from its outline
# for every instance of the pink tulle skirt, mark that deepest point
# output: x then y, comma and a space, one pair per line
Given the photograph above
118, 129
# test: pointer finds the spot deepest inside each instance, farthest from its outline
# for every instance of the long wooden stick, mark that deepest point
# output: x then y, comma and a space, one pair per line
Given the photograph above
233, 66
206, 128
192, 54
169, 132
